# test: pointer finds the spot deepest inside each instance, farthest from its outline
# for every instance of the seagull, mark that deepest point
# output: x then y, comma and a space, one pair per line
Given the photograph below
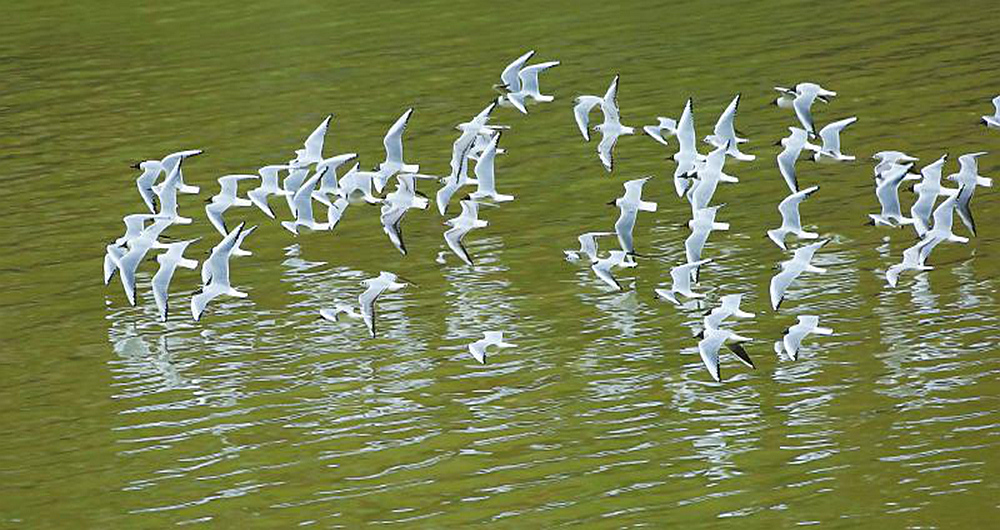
993, 122
356, 183
631, 204
268, 186
485, 174
942, 231
709, 175
472, 131
725, 133
385, 281
134, 225
616, 258
968, 178
490, 338
701, 226
138, 246
928, 190
681, 278
792, 339
911, 261
581, 112
312, 150
687, 156
303, 207
830, 135
730, 308
887, 159
461, 225
793, 144
708, 347
393, 143
215, 274
802, 100
790, 221
588, 246
238, 250
528, 78
167, 197
612, 127
151, 170
397, 203
214, 260
169, 261
453, 181
888, 196
791, 269
511, 81
656, 131
328, 182
296, 176
226, 199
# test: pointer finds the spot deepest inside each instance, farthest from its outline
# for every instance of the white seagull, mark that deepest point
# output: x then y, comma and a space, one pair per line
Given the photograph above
709, 175
730, 307
887, 159
681, 282
793, 144
725, 133
385, 281
268, 186
792, 339
662, 124
312, 150
928, 190
968, 178
701, 226
791, 223
511, 81
167, 195
453, 182
630, 204
461, 225
888, 197
581, 113
393, 143
134, 225
397, 203
355, 184
712, 340
993, 122
490, 338
528, 78
169, 261
612, 126
616, 258
215, 274
588, 247
830, 135
129, 261
802, 100
485, 174
911, 261
225, 199
687, 156
791, 269
328, 182
151, 171
942, 231
303, 208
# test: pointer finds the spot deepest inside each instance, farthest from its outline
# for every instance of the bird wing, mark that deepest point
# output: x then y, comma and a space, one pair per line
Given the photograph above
314, 143
509, 76
453, 237
393, 141
581, 112
624, 226
529, 76
831, 134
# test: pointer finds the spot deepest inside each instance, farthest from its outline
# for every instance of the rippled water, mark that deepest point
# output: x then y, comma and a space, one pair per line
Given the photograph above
603, 415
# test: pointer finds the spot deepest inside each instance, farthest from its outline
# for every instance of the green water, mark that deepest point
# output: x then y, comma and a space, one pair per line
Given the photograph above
263, 416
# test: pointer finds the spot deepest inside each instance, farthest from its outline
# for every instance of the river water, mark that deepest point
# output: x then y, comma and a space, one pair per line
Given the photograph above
603, 415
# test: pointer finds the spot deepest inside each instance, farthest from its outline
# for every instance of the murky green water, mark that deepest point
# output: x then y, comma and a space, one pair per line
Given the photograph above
261, 415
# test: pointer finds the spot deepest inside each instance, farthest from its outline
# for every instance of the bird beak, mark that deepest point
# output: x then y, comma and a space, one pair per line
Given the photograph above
135, 165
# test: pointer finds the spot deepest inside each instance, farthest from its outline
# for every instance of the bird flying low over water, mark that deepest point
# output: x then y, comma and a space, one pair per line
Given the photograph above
169, 261
928, 190
616, 258
215, 274
792, 269
801, 100
681, 283
830, 135
225, 199
462, 225
787, 158
793, 336
791, 223
724, 134
968, 178
385, 281
888, 197
519, 82
712, 339
729, 307
630, 205
887, 159
993, 122
490, 338
588, 247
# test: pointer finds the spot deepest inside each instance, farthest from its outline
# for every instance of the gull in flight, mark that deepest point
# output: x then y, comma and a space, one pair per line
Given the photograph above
942, 231
581, 113
238, 251
662, 124
801, 100
138, 246
268, 186
887, 159
490, 338
225, 199
928, 190
791, 223
528, 79
687, 156
303, 208
215, 274
151, 171
709, 175
792, 339
312, 150
461, 225
485, 175
712, 340
166, 193
993, 122
793, 144
681, 282
725, 133
397, 203
511, 82
169, 261
730, 308
968, 178
472, 134
830, 135
452, 182
328, 182
630, 204
616, 258
356, 184
888, 197
293, 181
791, 269
612, 126
374, 287
588, 247
134, 225
701, 226
393, 143
911, 261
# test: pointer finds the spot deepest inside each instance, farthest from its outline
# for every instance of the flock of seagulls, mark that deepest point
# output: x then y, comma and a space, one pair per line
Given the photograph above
312, 179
